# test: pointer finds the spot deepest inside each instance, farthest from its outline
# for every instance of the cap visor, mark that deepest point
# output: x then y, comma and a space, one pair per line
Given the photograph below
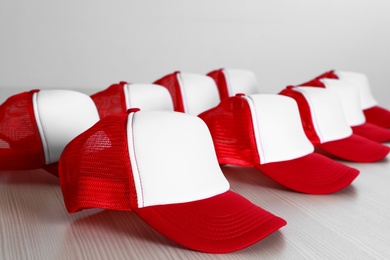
356, 149
378, 116
312, 173
224, 223
372, 132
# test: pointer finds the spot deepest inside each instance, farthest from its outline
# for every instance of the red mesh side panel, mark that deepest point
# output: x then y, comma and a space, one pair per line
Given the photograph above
171, 83
220, 80
111, 100
231, 128
95, 170
20, 142
305, 113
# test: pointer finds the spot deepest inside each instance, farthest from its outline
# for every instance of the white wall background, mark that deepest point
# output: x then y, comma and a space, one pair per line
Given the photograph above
93, 43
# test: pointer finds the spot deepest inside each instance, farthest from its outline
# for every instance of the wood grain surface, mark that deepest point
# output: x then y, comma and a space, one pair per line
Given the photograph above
350, 224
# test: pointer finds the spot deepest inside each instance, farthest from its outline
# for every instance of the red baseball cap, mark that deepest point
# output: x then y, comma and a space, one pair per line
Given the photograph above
265, 131
162, 165
349, 95
35, 126
326, 127
234, 81
191, 93
119, 97
374, 113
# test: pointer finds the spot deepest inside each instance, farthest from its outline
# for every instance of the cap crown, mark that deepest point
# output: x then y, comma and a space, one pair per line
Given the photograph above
231, 127
35, 126
61, 115
350, 100
140, 159
278, 129
321, 112
171, 82
259, 128
241, 81
147, 97
122, 96
220, 80
174, 158
110, 100
95, 170
361, 81
233, 81
191, 93
20, 142
199, 92
347, 92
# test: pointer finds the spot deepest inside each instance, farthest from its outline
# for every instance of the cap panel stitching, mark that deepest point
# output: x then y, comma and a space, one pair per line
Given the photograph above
40, 127
134, 161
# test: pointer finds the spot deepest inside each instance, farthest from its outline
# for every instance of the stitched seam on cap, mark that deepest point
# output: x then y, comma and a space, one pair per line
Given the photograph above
136, 164
40, 128
127, 97
255, 129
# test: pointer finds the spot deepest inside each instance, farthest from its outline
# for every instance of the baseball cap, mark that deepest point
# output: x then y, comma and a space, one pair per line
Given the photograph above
191, 93
326, 127
348, 93
265, 131
162, 166
374, 113
234, 81
121, 96
35, 126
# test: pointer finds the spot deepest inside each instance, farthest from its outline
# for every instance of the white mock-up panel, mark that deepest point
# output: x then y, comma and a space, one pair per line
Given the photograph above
61, 115
199, 92
241, 81
280, 135
350, 100
361, 81
148, 97
173, 158
327, 113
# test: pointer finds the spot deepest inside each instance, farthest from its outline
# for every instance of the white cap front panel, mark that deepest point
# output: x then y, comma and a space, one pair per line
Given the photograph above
173, 158
148, 97
61, 115
327, 113
360, 80
199, 92
280, 135
241, 81
350, 100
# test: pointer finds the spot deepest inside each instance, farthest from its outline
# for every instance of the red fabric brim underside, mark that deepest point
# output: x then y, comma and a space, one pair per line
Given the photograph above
220, 224
356, 149
313, 174
373, 132
378, 116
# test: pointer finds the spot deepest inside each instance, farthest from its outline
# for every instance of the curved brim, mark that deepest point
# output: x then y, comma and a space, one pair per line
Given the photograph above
373, 132
378, 116
312, 173
356, 148
224, 223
